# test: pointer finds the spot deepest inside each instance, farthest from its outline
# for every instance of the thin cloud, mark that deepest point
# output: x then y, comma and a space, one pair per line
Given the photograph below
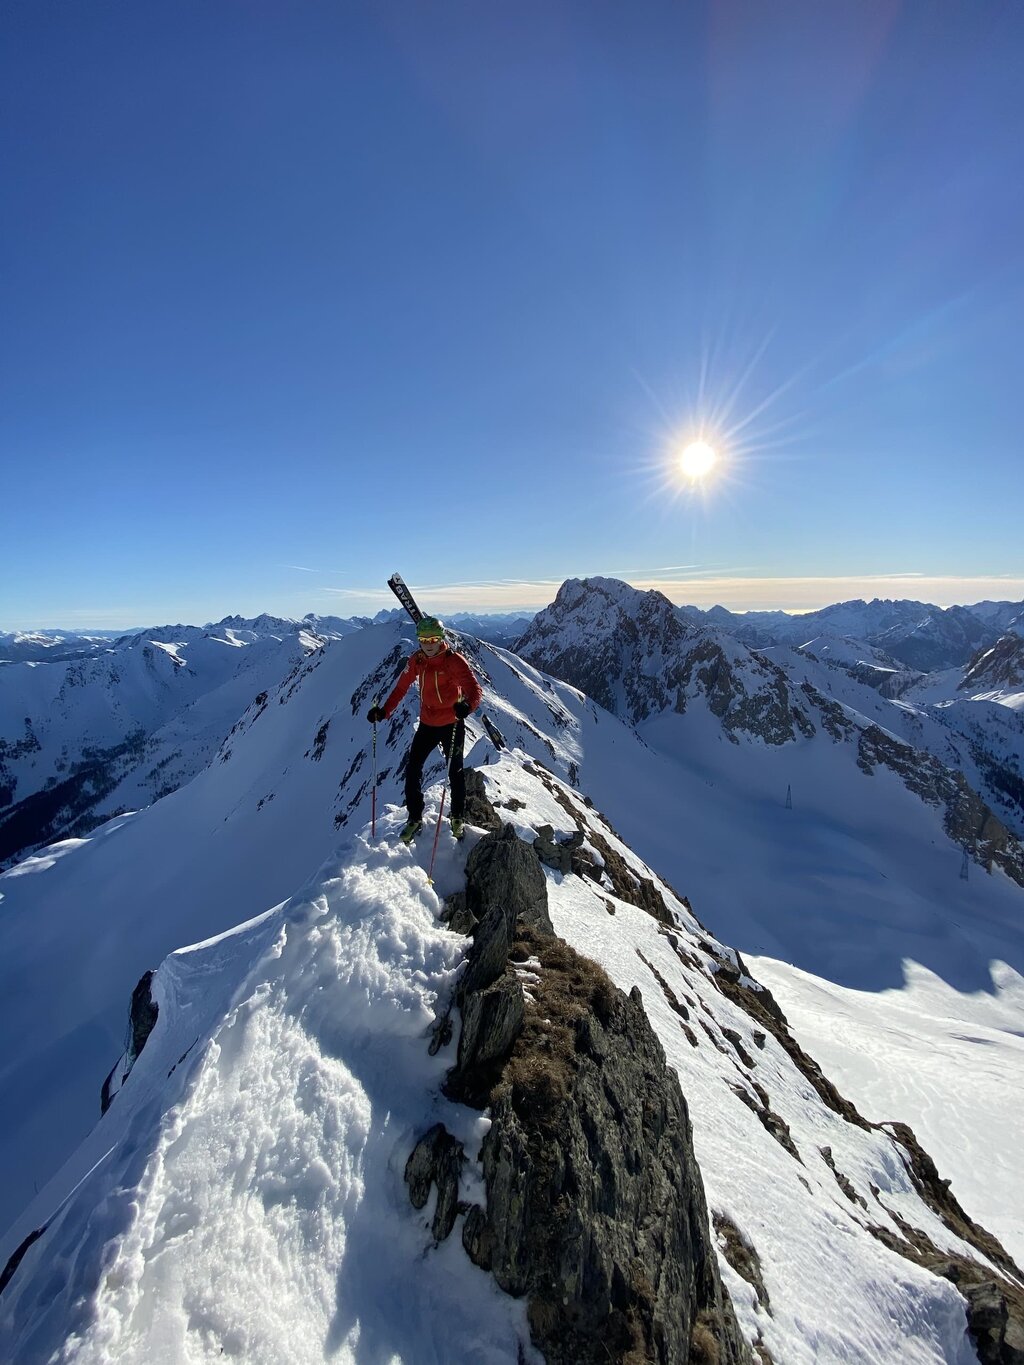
705, 588
302, 568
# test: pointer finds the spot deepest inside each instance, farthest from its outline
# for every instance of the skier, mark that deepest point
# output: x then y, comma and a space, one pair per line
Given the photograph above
449, 691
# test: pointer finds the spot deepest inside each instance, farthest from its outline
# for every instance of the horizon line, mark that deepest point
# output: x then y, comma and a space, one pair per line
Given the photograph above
793, 595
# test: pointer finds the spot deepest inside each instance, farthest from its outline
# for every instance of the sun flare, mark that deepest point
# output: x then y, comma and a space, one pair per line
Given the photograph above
697, 460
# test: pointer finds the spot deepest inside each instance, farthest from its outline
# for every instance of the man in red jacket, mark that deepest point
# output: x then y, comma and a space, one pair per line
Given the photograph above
448, 692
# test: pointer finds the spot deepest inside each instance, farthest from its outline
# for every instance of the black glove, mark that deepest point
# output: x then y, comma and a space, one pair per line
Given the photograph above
375, 714
462, 709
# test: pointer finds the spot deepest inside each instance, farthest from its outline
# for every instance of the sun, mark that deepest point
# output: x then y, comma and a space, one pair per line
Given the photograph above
697, 460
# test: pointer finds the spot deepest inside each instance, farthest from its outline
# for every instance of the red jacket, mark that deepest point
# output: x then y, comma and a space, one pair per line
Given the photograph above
443, 680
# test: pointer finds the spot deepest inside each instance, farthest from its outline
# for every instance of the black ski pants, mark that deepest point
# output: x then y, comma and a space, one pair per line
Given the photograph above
452, 739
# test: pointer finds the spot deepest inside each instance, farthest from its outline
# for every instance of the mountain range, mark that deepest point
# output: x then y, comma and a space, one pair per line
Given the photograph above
772, 852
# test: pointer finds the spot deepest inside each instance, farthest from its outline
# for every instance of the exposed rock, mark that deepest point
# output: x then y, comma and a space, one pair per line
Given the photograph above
637, 655
941, 639
740, 1253
17, 1256
492, 1019
504, 886
762, 1006
834, 720
493, 733
967, 819
843, 1181
557, 853
143, 1014
479, 811
457, 914
1001, 666
998, 1337
436, 1160
595, 1205
755, 1097
940, 1198
629, 886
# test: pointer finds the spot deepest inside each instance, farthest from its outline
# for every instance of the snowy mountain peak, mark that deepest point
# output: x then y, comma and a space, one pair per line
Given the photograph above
634, 653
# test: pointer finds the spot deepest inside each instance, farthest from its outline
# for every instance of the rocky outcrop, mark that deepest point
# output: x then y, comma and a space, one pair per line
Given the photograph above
595, 1205
17, 1256
437, 1159
142, 1017
966, 818
595, 1208
999, 667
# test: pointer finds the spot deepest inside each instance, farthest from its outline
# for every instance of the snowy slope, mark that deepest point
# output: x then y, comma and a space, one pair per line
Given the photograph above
243, 1195
933, 1056
815, 1260
154, 707
976, 735
99, 911
998, 672
854, 882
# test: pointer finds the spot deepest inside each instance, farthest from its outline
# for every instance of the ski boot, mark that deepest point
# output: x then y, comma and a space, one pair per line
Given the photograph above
458, 827
411, 829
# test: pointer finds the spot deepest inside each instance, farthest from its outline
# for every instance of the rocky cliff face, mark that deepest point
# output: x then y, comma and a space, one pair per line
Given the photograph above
968, 821
942, 639
611, 642
595, 1207
1000, 668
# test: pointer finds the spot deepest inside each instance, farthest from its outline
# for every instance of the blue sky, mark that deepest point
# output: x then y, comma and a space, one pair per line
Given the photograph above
296, 295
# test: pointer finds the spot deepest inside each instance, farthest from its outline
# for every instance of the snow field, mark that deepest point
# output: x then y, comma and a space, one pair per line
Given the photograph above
935, 1058
270, 1221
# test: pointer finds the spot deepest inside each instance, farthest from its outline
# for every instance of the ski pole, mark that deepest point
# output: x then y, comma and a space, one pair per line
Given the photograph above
373, 799
444, 792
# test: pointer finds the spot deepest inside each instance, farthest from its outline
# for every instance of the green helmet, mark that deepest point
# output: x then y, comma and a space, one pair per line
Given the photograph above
427, 626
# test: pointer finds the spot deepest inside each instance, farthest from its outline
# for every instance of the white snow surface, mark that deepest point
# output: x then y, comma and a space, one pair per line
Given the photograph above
244, 1195
933, 1057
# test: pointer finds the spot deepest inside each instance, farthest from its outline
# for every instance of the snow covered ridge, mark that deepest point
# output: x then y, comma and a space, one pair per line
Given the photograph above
244, 1194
